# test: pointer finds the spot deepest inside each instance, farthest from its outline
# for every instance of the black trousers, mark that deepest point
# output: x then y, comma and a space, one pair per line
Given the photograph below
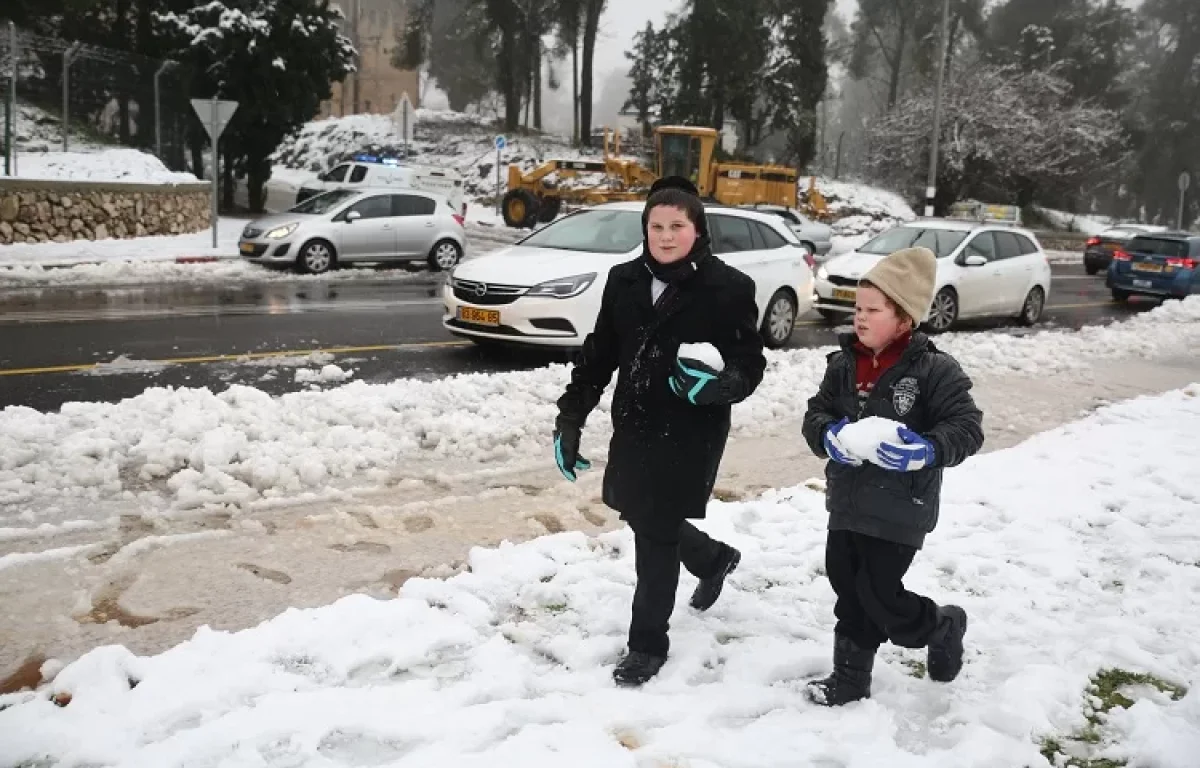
872, 604
658, 556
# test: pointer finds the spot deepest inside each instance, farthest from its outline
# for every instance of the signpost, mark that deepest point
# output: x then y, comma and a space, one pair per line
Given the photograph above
215, 115
501, 142
405, 120
1185, 181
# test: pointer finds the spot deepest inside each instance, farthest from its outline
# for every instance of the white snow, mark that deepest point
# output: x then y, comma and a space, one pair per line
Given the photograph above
862, 438
20, 262
705, 353
111, 165
860, 211
186, 448
1072, 222
1069, 560
329, 373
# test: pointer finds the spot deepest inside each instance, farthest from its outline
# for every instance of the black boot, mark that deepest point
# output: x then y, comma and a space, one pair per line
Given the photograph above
944, 659
851, 678
637, 668
708, 590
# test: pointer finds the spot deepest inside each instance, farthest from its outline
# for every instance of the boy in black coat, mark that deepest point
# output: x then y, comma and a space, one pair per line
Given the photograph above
671, 415
880, 512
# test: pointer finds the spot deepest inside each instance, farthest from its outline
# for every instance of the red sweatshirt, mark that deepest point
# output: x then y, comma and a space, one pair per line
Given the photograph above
869, 366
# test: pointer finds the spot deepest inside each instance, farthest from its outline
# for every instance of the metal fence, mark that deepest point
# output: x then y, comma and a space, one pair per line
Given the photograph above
65, 95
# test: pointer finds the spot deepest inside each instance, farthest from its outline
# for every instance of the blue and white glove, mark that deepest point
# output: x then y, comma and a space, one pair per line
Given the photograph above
910, 453
566, 453
833, 446
695, 381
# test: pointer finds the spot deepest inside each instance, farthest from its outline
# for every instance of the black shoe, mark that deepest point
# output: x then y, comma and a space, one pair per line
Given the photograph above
637, 668
851, 678
708, 590
944, 659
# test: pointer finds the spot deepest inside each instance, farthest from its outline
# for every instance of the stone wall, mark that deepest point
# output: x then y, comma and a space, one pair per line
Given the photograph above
34, 211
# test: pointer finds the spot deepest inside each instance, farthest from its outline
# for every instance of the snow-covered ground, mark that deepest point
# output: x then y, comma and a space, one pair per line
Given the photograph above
1071, 222
1070, 560
860, 210
192, 448
117, 164
160, 248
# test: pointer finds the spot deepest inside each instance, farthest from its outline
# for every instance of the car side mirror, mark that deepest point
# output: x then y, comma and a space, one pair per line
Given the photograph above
353, 216
974, 260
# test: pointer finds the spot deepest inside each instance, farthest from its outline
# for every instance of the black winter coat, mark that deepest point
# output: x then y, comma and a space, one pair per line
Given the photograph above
665, 452
930, 393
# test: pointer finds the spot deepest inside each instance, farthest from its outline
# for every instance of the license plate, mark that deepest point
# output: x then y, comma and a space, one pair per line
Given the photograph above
1142, 284
1146, 266
844, 294
479, 316
247, 247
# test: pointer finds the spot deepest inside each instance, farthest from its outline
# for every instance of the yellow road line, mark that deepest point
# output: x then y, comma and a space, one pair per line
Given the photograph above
231, 358
1108, 303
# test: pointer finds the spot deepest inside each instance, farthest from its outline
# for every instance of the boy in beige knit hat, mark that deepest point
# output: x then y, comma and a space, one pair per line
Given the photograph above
882, 504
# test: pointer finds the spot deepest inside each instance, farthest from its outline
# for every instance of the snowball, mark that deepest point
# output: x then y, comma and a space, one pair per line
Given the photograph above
862, 438
705, 353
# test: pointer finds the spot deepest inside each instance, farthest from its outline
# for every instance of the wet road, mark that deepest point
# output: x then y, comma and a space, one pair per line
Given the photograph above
260, 334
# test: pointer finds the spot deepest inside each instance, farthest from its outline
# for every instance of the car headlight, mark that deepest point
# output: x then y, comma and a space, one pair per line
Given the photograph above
563, 288
822, 273
281, 232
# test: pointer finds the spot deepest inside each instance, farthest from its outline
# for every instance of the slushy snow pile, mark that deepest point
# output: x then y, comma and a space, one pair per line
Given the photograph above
116, 165
328, 373
862, 438
705, 353
186, 448
1069, 561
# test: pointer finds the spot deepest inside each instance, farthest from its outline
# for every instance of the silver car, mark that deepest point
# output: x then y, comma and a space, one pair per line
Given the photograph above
817, 236
364, 225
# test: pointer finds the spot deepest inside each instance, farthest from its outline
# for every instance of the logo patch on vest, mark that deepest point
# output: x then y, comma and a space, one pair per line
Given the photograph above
904, 395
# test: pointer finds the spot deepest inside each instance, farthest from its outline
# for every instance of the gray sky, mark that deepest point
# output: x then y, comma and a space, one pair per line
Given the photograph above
623, 19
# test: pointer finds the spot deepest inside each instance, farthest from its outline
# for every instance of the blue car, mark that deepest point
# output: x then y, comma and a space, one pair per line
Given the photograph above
1164, 264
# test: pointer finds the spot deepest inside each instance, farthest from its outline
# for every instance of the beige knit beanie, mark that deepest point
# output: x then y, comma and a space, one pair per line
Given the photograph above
907, 277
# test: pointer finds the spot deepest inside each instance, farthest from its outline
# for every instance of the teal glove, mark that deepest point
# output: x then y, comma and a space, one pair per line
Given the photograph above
566, 453
695, 382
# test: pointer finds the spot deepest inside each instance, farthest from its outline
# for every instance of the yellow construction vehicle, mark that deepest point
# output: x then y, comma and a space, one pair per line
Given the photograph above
679, 151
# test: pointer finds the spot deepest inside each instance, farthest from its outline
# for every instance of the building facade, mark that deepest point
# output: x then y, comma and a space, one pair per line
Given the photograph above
373, 26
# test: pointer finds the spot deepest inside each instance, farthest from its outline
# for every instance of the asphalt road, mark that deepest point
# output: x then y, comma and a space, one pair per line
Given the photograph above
51, 340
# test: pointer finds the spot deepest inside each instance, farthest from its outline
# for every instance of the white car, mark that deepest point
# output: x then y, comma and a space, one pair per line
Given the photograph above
376, 171
983, 270
817, 236
545, 290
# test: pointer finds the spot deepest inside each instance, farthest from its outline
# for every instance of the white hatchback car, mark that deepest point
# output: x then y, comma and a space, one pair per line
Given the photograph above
545, 290
983, 270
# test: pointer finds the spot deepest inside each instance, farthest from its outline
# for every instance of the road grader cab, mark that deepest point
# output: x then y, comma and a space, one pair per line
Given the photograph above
685, 151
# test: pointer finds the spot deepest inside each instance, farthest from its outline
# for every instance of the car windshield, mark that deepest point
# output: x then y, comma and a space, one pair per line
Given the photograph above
595, 231
1158, 246
941, 241
324, 202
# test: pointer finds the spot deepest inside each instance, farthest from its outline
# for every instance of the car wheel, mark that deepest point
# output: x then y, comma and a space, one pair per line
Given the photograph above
1119, 295
445, 256
1035, 304
780, 320
1091, 269
943, 314
316, 257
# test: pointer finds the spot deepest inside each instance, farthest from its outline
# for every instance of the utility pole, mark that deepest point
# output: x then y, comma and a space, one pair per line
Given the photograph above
935, 137
355, 40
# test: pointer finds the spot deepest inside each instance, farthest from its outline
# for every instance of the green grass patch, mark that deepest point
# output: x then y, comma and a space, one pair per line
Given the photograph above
1105, 693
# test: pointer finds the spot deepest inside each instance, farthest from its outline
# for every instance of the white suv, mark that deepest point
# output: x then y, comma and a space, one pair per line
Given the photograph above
983, 270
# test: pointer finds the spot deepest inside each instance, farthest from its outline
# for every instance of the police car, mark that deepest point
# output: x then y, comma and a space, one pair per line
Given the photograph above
375, 171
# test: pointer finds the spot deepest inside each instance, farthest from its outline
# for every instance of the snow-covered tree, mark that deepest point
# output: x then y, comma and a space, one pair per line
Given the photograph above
1007, 136
277, 58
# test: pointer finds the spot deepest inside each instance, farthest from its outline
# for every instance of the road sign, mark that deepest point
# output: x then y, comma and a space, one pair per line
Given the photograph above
215, 114
500, 142
1185, 181
405, 119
